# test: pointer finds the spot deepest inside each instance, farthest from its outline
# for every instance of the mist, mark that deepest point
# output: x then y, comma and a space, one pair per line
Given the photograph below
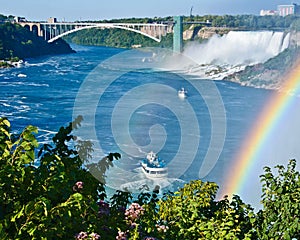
238, 48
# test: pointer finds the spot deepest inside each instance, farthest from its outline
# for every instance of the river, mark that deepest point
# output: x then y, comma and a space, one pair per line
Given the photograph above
138, 110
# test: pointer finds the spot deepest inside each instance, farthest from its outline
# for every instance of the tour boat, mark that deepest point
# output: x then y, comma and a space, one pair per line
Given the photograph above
182, 93
153, 166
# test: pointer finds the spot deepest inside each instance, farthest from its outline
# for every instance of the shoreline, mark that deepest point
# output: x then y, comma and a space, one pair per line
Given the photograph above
11, 63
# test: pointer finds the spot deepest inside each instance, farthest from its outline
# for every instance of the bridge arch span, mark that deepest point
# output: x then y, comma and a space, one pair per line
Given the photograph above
35, 29
27, 27
103, 26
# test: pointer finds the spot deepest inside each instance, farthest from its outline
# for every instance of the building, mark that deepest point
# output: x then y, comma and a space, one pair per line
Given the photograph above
285, 10
52, 20
282, 10
268, 12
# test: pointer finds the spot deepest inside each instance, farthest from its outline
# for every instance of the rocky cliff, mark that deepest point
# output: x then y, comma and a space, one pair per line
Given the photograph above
204, 32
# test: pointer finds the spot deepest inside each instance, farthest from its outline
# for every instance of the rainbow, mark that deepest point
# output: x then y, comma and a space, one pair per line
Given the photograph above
271, 115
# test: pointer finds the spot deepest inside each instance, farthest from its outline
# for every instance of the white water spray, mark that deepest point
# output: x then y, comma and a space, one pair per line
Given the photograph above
235, 50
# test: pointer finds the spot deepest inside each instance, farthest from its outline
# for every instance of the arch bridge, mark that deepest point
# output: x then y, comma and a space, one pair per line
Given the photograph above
53, 30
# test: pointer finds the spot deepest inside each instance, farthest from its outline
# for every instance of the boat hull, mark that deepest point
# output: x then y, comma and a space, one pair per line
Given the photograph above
155, 173
181, 95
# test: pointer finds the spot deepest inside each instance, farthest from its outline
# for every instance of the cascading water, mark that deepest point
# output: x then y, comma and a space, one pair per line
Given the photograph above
222, 55
285, 43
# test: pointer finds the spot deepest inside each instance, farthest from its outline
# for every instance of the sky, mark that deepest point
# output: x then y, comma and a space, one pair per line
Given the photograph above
72, 10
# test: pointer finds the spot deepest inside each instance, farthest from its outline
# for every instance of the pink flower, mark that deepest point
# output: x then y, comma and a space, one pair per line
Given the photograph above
81, 235
133, 212
121, 236
79, 185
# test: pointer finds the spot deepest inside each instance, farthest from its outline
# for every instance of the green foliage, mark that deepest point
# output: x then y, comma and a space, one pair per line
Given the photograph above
52, 197
16, 41
249, 22
4, 64
296, 25
116, 38
280, 217
121, 38
48, 194
245, 21
193, 213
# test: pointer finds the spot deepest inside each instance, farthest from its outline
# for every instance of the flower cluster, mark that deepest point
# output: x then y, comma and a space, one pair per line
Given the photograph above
161, 228
150, 238
85, 235
104, 209
121, 236
78, 186
94, 236
133, 212
81, 235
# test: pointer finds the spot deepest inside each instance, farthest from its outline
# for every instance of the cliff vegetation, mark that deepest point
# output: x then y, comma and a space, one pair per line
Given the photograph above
116, 38
18, 42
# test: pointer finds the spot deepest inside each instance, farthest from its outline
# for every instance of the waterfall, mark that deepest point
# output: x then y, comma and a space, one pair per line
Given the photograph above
286, 42
238, 48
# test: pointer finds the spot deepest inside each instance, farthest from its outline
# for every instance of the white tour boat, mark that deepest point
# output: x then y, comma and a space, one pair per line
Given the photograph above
182, 93
153, 166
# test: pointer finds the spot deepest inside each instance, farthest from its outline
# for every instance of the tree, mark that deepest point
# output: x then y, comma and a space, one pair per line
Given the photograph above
1, 47
18, 41
280, 217
51, 195
193, 213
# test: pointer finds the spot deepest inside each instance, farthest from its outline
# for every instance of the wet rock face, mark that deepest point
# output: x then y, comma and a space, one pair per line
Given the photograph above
271, 74
295, 39
204, 33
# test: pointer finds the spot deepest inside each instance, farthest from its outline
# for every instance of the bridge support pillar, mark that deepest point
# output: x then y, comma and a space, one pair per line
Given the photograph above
177, 35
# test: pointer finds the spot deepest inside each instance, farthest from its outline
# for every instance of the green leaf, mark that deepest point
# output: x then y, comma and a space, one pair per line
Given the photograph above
18, 215
6, 122
77, 196
69, 213
31, 230
31, 128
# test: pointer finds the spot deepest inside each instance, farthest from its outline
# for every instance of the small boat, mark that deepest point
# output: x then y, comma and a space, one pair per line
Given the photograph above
182, 93
153, 166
